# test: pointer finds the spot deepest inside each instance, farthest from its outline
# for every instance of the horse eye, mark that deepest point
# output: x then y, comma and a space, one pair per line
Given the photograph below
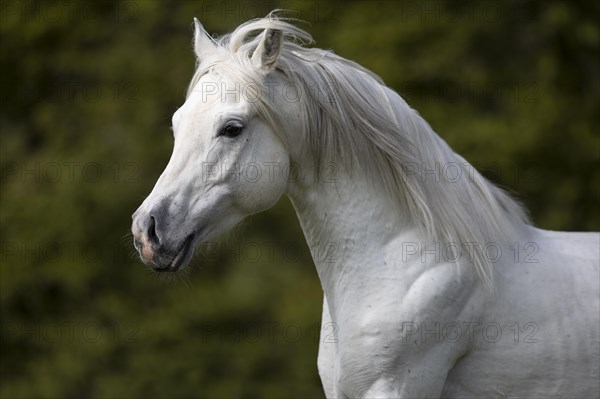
231, 130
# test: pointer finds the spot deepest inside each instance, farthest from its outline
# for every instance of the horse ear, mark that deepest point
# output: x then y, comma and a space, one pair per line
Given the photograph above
203, 43
267, 52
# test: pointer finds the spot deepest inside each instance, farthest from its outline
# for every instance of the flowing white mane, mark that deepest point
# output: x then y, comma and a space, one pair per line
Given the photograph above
348, 117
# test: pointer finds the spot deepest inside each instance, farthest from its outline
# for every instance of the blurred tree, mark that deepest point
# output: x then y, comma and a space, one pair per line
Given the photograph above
88, 89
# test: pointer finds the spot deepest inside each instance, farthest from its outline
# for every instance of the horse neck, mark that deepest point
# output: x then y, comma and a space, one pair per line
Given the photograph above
347, 221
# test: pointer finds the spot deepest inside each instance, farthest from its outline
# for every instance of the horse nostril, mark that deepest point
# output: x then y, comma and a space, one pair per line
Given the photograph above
152, 237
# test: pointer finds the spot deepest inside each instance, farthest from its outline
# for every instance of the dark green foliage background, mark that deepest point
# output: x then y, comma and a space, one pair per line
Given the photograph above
513, 86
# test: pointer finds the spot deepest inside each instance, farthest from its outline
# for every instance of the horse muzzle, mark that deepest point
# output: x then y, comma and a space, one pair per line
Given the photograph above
155, 249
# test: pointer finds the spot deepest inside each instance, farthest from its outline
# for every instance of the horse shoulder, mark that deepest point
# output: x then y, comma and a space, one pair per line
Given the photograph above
390, 327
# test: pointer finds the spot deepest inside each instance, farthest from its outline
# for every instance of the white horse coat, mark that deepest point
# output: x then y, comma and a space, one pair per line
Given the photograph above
433, 285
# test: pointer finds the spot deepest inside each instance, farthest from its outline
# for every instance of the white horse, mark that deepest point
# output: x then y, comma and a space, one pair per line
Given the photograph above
434, 282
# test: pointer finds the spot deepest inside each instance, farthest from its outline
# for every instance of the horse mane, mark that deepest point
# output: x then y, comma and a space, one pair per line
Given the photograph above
349, 115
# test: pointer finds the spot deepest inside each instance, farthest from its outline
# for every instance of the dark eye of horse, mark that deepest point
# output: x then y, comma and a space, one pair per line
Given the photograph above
231, 130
